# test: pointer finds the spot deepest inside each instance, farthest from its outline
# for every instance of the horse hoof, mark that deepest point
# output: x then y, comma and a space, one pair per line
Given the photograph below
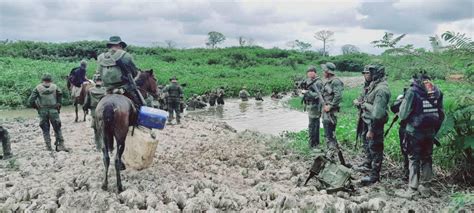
104, 187
120, 190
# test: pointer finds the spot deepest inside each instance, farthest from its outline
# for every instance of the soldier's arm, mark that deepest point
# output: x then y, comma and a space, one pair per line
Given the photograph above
407, 105
337, 87
32, 99
181, 93
380, 105
312, 93
129, 61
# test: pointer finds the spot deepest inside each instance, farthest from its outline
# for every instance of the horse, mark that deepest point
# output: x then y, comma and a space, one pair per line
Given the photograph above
79, 100
114, 114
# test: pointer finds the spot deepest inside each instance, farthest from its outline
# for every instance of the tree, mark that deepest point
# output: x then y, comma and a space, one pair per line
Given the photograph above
349, 48
245, 41
302, 46
458, 40
170, 44
291, 44
436, 43
387, 41
325, 36
214, 39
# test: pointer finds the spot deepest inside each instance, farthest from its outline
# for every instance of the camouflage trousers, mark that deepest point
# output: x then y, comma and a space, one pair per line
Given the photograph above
174, 108
374, 150
329, 124
6, 146
420, 150
50, 117
401, 137
313, 132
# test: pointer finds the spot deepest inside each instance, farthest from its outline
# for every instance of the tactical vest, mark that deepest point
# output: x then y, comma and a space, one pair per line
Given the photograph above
370, 98
96, 93
426, 109
312, 88
327, 91
173, 91
47, 96
110, 72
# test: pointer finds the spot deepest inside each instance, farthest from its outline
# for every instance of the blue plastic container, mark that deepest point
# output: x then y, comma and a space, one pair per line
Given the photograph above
152, 118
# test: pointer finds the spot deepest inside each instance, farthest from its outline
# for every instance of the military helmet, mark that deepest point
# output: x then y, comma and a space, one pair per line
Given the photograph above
173, 78
311, 69
46, 77
329, 67
116, 40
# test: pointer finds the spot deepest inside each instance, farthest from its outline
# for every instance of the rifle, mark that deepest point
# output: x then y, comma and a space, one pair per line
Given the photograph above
305, 86
360, 125
395, 119
127, 74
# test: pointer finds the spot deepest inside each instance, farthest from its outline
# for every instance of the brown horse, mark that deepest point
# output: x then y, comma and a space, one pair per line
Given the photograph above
79, 100
114, 114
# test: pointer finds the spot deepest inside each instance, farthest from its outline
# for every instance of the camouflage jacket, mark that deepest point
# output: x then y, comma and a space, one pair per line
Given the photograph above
332, 92
311, 98
375, 105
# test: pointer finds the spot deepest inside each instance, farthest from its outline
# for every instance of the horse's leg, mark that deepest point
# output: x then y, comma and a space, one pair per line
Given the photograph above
85, 114
77, 116
118, 160
106, 158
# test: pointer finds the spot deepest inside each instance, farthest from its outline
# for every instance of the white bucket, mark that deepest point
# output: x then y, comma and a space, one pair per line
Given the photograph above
139, 149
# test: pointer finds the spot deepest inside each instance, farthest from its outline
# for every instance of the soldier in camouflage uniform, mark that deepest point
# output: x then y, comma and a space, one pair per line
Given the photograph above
313, 86
113, 67
361, 125
220, 96
174, 95
375, 115
93, 97
332, 95
46, 98
243, 94
212, 97
5, 138
259, 96
422, 109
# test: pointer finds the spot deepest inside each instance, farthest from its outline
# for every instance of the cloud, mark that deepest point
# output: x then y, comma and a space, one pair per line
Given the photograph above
269, 23
420, 17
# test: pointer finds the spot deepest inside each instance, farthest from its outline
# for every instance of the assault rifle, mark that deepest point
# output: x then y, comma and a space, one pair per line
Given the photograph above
127, 75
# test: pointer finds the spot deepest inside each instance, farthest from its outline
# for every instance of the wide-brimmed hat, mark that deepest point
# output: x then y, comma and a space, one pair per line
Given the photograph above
46, 77
116, 40
329, 67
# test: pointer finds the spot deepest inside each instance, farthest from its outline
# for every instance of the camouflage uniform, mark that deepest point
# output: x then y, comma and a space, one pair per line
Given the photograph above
362, 126
258, 96
422, 109
220, 96
375, 115
93, 97
174, 95
212, 98
46, 98
111, 73
313, 106
5, 138
332, 94
395, 108
244, 95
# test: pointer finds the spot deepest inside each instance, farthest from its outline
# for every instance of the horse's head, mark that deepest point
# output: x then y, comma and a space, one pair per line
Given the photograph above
147, 82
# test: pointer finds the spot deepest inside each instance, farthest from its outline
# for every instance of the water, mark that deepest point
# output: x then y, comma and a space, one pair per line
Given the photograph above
31, 113
269, 116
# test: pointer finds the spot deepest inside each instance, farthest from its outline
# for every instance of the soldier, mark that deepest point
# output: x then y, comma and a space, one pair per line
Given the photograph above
332, 97
395, 108
212, 97
258, 95
361, 125
375, 115
46, 98
243, 94
5, 138
77, 77
93, 97
422, 109
220, 96
174, 94
311, 94
117, 70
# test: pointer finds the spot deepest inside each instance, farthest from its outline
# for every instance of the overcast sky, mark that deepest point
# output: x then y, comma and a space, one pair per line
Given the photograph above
269, 23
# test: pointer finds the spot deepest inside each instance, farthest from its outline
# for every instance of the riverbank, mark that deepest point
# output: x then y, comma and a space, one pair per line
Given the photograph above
199, 165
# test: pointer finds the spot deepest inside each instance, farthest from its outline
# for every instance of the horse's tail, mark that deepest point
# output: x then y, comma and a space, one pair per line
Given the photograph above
109, 126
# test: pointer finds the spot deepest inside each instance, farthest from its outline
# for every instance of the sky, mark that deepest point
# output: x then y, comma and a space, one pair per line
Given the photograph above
268, 23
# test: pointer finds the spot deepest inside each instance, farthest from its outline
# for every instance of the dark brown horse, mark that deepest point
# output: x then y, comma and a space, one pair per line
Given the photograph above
115, 113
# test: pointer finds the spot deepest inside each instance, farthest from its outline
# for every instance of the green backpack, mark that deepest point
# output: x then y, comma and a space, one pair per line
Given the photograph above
334, 177
109, 71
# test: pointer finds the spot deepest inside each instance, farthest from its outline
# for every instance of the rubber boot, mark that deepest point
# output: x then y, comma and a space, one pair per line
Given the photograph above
47, 140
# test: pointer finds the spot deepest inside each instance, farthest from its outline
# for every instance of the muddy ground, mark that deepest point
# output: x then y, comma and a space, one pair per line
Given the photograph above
199, 165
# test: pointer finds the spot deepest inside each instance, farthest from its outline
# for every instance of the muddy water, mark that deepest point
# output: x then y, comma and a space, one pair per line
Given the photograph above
29, 113
268, 116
